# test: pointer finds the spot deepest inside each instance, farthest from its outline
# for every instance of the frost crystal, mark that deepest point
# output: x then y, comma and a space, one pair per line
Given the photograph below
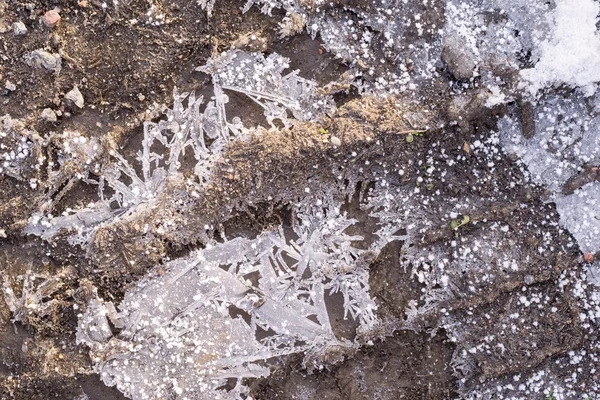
31, 301
261, 79
267, 296
16, 149
183, 127
186, 126
563, 153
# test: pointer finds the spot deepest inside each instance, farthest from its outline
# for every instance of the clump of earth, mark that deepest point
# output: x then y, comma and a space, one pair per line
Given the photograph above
456, 143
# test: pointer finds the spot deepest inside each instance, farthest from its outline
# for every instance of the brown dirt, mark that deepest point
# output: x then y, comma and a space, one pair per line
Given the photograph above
122, 68
406, 365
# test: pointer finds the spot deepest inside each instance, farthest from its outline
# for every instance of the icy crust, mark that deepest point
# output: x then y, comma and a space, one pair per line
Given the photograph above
224, 311
566, 139
563, 154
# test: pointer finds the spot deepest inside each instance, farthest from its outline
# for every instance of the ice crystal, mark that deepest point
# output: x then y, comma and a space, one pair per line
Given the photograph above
181, 128
562, 153
261, 79
17, 149
569, 56
186, 126
267, 295
33, 298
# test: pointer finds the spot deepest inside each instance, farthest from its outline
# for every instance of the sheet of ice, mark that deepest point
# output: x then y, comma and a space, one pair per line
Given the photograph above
580, 214
565, 144
566, 138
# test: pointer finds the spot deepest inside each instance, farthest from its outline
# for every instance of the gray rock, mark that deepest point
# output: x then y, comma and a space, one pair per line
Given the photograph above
46, 60
460, 60
48, 115
75, 96
8, 85
19, 28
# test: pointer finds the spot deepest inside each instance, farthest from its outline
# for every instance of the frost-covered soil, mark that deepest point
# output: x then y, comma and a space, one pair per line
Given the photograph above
288, 199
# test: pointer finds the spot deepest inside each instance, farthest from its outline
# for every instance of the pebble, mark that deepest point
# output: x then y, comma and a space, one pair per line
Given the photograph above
75, 96
48, 115
459, 59
51, 18
8, 85
19, 28
336, 141
46, 60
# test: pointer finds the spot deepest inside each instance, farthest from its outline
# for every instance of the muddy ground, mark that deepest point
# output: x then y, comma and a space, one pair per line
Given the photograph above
124, 66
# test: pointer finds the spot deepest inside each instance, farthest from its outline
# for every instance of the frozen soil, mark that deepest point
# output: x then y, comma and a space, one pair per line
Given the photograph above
126, 70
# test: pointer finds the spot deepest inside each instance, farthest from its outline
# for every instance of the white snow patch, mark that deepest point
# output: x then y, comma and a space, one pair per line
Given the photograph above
571, 55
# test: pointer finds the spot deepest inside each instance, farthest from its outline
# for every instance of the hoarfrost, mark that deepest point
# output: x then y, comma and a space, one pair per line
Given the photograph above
261, 80
181, 127
17, 149
580, 214
33, 299
186, 127
268, 296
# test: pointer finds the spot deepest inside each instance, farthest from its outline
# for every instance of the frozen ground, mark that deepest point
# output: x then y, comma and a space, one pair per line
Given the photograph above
287, 199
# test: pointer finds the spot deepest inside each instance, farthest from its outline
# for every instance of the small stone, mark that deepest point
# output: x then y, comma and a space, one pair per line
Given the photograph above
48, 115
467, 147
46, 60
336, 141
8, 85
75, 96
51, 18
588, 258
460, 60
19, 28
141, 97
